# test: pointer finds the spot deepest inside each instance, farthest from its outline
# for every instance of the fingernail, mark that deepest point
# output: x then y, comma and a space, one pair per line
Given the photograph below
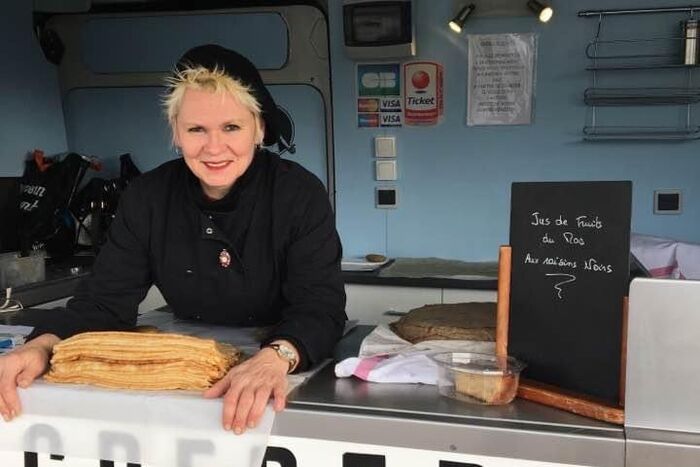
238, 430
4, 416
251, 424
227, 427
13, 414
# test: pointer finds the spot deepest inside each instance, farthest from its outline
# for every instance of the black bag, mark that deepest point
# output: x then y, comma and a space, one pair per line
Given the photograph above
96, 203
46, 190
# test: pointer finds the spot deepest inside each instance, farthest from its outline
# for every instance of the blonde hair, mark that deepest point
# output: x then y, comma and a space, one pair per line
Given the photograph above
216, 81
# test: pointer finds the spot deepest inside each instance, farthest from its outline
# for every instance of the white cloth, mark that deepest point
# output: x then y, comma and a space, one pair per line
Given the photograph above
688, 260
414, 368
667, 258
386, 358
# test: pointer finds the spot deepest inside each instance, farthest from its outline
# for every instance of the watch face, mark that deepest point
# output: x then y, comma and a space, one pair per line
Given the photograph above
286, 352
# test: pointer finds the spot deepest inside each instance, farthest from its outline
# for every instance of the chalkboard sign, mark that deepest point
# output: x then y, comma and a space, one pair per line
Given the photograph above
570, 267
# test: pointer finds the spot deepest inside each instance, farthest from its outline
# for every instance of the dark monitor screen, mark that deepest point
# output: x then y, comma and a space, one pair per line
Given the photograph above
377, 23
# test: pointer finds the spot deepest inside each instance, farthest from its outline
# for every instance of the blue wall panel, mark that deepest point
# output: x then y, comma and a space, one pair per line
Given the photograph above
154, 43
30, 104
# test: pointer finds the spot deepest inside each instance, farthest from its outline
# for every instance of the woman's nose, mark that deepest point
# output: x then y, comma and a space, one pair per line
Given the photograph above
214, 143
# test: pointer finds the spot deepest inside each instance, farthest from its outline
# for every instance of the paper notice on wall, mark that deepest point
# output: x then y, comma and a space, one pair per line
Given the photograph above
501, 79
379, 102
423, 103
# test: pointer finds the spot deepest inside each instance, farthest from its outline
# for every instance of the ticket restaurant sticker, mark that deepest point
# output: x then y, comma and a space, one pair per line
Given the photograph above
423, 88
379, 102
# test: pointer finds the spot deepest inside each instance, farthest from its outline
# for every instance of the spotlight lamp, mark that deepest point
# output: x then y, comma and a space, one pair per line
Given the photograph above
458, 21
543, 11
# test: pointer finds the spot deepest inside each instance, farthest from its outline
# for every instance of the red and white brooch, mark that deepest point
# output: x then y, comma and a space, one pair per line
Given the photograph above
224, 258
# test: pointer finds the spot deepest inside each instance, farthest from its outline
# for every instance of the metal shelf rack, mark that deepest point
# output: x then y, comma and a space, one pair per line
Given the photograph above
641, 96
654, 53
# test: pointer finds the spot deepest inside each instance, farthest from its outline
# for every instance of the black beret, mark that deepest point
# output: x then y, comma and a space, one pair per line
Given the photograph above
235, 65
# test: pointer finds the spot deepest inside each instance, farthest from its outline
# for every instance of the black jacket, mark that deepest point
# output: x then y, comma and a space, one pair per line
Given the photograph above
276, 225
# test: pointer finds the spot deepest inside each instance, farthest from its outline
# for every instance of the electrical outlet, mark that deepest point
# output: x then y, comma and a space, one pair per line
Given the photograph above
386, 197
667, 201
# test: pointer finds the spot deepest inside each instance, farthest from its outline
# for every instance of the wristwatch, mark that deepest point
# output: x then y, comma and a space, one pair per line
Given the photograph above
286, 353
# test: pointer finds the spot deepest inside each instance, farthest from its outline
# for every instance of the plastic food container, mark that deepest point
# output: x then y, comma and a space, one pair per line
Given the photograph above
478, 378
18, 270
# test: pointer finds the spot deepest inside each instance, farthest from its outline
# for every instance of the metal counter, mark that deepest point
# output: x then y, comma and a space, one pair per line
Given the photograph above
415, 416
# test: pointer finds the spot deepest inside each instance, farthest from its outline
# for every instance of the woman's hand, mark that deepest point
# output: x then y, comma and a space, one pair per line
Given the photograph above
19, 368
248, 387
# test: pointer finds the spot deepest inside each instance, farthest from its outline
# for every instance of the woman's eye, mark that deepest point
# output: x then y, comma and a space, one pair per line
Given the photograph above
195, 129
231, 127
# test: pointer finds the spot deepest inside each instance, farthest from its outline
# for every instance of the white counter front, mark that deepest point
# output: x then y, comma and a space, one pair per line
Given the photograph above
163, 428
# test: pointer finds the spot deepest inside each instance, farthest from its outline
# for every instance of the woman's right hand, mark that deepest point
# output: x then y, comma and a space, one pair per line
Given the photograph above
19, 368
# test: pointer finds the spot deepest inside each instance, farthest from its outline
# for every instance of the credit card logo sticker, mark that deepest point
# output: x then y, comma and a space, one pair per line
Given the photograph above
391, 104
367, 105
368, 120
382, 79
391, 119
380, 99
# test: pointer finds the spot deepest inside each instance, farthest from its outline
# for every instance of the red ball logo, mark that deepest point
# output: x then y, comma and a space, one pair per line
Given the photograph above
420, 79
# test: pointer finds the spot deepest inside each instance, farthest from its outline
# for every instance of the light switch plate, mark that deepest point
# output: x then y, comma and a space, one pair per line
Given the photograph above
385, 170
385, 146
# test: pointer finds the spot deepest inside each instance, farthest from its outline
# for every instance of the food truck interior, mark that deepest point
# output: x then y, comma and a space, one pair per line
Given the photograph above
442, 131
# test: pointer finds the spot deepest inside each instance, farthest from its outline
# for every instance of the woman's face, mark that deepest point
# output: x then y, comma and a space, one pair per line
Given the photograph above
217, 136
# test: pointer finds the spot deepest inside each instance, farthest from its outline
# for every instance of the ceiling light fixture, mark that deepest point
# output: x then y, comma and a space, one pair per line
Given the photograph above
458, 21
543, 11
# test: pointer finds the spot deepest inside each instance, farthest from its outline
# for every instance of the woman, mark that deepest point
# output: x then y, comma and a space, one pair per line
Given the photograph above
230, 233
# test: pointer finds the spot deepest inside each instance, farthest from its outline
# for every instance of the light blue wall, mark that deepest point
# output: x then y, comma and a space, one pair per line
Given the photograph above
154, 43
30, 105
454, 180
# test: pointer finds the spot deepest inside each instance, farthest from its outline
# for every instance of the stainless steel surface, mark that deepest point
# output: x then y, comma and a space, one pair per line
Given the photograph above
639, 133
416, 416
663, 356
690, 42
16, 270
664, 49
422, 402
641, 96
663, 436
654, 448
642, 53
681, 9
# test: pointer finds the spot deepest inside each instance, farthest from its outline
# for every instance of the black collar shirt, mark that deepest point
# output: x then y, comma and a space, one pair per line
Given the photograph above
275, 226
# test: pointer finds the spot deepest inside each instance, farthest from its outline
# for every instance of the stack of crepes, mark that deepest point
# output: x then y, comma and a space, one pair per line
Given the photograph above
132, 360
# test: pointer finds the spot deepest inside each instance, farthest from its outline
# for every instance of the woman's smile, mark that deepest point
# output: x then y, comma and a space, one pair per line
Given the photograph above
216, 166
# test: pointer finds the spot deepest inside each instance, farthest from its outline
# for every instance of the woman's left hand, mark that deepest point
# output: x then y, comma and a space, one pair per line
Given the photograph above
247, 387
